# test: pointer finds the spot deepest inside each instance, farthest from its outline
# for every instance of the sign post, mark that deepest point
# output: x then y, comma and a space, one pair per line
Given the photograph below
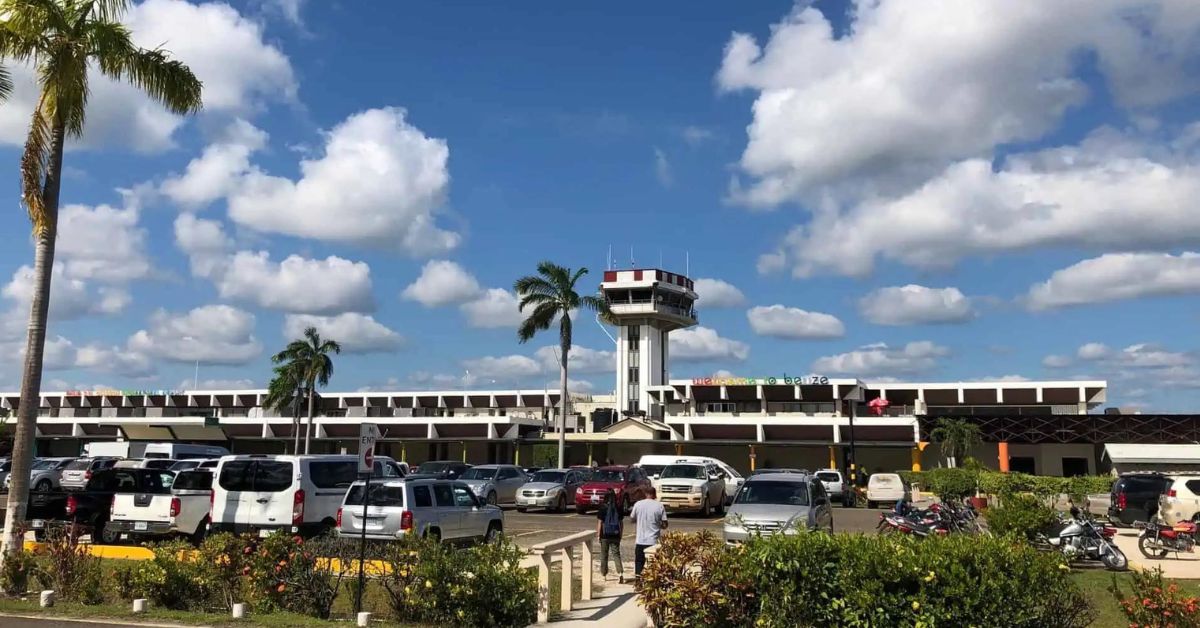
368, 434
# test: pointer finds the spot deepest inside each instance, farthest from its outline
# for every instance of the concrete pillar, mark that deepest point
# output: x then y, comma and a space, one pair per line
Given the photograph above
752, 458
239, 611
1002, 446
589, 454
586, 571
568, 568
678, 449
464, 447
916, 458
833, 457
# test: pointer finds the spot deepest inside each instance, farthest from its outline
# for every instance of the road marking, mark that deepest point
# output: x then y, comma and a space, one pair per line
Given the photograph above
527, 533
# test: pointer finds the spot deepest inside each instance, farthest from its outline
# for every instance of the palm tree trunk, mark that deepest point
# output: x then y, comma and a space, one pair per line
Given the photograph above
564, 401
35, 345
308, 426
296, 422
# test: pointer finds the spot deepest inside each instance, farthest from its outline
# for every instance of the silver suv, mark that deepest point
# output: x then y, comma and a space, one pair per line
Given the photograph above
495, 483
444, 509
44, 475
692, 486
778, 503
76, 474
834, 483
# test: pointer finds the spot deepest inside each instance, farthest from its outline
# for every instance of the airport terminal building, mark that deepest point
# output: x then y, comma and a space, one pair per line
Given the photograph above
812, 421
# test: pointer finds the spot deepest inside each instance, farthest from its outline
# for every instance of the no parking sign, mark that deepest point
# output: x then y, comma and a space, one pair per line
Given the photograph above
368, 433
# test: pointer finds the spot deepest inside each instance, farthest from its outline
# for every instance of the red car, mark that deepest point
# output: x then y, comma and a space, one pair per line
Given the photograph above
629, 483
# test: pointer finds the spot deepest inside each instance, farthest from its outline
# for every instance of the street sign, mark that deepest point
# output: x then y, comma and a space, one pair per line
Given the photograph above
368, 433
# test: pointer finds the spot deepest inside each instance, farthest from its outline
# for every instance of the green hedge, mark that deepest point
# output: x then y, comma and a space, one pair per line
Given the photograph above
960, 482
814, 579
1019, 515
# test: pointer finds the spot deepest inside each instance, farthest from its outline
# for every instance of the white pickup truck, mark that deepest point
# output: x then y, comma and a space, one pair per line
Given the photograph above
180, 509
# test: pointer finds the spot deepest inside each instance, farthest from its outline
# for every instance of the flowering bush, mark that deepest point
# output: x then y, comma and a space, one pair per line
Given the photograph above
1153, 603
1021, 516
19, 569
694, 581
172, 579
66, 566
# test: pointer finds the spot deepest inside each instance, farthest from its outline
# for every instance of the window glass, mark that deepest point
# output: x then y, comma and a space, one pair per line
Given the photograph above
553, 477
828, 476
785, 493
607, 475
101, 482
384, 469
193, 481
479, 473
508, 474
79, 465
273, 476
1193, 486
237, 475
380, 495
159, 464
62, 464
684, 471
167, 479
125, 481
333, 473
463, 497
443, 494
421, 497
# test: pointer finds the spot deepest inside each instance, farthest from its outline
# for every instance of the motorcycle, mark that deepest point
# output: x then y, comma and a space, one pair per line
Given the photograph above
939, 519
1157, 538
1079, 537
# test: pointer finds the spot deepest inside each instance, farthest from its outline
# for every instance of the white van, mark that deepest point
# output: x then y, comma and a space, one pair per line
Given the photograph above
299, 494
138, 449
654, 464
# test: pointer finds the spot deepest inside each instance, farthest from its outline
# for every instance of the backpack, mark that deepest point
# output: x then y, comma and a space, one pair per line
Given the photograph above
612, 522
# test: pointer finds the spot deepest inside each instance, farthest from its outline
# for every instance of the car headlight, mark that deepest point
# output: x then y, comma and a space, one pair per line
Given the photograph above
552, 492
696, 489
579, 490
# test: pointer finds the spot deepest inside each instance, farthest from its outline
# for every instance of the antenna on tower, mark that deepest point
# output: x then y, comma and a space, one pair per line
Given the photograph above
632, 264
660, 258
609, 261
687, 264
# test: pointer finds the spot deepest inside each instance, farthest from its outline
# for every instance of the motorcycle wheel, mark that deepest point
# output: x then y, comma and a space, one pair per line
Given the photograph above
1148, 550
1114, 559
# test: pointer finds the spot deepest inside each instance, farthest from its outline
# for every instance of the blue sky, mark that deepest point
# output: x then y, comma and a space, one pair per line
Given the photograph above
911, 190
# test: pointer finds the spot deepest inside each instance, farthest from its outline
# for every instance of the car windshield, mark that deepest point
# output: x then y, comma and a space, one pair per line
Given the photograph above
608, 475
653, 469
784, 493
885, 479
476, 473
553, 477
688, 471
433, 468
39, 465
381, 495
827, 476
78, 465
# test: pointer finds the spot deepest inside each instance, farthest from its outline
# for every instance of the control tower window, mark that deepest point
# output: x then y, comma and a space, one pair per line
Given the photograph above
635, 337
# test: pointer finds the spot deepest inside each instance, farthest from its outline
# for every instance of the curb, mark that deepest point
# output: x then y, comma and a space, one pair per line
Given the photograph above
97, 620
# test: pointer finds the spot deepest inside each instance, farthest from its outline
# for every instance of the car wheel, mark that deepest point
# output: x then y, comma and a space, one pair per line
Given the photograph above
581, 509
561, 506
197, 537
43, 486
624, 506
706, 508
39, 535
491, 498
522, 509
493, 533
870, 505
721, 507
105, 533
434, 533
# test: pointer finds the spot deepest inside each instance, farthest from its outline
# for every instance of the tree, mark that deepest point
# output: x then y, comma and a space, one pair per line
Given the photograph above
285, 393
551, 294
957, 437
307, 361
63, 40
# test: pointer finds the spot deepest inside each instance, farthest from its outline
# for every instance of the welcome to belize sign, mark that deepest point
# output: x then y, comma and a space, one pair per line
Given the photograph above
802, 380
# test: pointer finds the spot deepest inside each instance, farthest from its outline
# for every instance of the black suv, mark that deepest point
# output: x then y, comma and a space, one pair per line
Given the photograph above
1135, 497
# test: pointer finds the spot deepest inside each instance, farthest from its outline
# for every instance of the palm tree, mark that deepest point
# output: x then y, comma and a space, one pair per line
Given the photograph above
551, 294
957, 437
63, 40
307, 361
285, 394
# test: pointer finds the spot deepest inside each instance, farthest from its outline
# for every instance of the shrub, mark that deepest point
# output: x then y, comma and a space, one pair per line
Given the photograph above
811, 579
317, 574
427, 582
67, 567
1020, 516
173, 579
1152, 603
694, 581
19, 568
951, 484
222, 558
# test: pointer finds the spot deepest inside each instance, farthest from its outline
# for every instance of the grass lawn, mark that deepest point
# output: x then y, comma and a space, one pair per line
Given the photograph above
1095, 583
107, 611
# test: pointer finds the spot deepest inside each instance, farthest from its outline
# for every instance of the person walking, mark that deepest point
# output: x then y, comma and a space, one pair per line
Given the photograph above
651, 519
609, 529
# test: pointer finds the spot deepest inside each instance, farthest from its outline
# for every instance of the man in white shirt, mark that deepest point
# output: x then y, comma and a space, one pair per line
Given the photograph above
651, 520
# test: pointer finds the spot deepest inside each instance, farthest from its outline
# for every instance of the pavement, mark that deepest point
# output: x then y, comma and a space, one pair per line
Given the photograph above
1179, 566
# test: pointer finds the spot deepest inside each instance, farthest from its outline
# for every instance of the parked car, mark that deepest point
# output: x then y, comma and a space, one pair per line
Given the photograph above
44, 474
5, 467
1181, 501
162, 464
76, 474
41, 508
444, 509
1135, 497
299, 494
142, 510
692, 486
441, 469
91, 505
834, 483
529, 471
779, 470
187, 465
552, 489
781, 503
180, 510
629, 483
495, 483
654, 464
886, 488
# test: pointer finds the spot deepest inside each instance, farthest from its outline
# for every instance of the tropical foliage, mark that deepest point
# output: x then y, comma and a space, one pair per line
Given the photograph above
64, 41
305, 361
957, 437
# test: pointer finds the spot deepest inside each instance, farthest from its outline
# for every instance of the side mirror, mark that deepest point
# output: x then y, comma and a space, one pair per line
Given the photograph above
654, 477
714, 478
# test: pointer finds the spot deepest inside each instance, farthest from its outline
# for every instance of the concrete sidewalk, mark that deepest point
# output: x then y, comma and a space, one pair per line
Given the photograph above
615, 607
1180, 566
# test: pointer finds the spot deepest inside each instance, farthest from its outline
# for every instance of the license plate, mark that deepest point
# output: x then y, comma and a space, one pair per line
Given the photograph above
595, 499
262, 534
37, 524
139, 526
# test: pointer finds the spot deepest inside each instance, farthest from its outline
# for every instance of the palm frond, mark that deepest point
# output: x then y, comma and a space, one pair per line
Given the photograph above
539, 320
557, 275
110, 10
534, 285
579, 273
595, 304
535, 300
6, 84
33, 169
166, 80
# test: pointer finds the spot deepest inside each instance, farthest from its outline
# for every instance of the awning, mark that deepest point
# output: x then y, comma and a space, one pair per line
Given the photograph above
184, 429
1122, 453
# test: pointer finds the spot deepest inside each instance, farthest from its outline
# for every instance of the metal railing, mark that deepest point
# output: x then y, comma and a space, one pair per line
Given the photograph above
543, 555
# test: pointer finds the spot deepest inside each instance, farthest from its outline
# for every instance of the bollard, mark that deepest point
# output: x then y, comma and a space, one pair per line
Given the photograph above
139, 605
364, 619
47, 599
239, 611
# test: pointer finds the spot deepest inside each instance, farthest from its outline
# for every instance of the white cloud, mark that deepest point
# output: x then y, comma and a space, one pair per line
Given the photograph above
1093, 351
289, 9
211, 38
217, 171
385, 178
211, 334
573, 385
701, 343
1056, 361
1118, 276
497, 307
442, 282
582, 359
1147, 355
717, 293
297, 284
837, 105
70, 297
695, 135
1142, 196
915, 305
879, 359
778, 321
356, 333
113, 360
59, 354
1004, 378
218, 384
662, 169
102, 242
504, 368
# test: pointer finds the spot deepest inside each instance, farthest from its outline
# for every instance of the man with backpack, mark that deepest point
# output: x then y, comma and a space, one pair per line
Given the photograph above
609, 528
651, 519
